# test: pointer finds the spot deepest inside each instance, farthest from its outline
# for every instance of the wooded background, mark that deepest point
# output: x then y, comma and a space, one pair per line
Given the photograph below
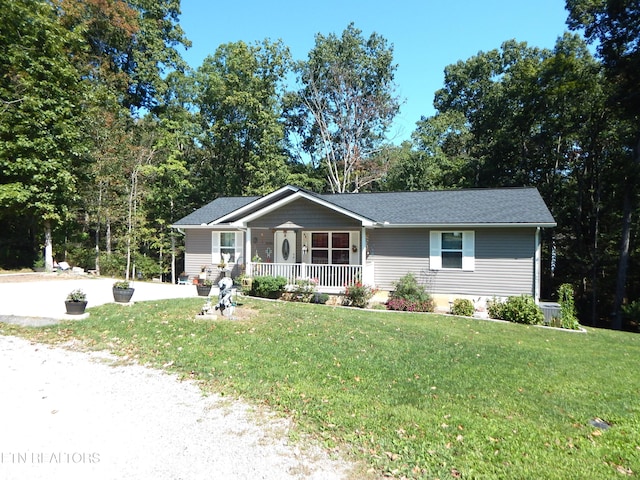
107, 136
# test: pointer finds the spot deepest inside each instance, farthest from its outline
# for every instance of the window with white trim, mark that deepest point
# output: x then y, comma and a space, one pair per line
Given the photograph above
330, 248
452, 250
229, 243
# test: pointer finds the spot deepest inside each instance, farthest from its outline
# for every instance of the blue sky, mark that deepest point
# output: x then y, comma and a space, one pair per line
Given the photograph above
427, 35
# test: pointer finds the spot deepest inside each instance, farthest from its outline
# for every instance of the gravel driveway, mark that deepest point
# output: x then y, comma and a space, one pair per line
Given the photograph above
76, 415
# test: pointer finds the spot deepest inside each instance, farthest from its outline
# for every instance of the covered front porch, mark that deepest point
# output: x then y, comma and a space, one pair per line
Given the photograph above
328, 278
330, 257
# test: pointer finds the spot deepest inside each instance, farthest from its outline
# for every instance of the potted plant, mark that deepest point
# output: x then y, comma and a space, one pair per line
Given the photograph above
204, 288
122, 291
183, 279
76, 302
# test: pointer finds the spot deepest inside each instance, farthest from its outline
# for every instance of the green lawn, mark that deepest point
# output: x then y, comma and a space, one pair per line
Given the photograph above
413, 395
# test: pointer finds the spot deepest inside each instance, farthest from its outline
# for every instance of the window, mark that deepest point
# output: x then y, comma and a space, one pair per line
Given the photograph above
228, 243
330, 248
452, 250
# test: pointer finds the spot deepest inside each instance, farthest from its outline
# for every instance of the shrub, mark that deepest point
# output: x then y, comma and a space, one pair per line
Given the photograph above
409, 305
568, 318
268, 287
147, 267
320, 298
410, 296
495, 308
463, 307
632, 311
303, 291
522, 309
358, 294
112, 265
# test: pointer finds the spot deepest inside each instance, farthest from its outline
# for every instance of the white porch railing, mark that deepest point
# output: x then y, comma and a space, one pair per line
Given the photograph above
330, 278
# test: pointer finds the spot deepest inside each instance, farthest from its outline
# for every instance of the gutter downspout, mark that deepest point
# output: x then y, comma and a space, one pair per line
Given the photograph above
537, 264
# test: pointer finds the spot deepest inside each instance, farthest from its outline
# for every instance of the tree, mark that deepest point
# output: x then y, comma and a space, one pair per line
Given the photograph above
41, 96
538, 118
615, 26
239, 92
131, 45
345, 105
440, 158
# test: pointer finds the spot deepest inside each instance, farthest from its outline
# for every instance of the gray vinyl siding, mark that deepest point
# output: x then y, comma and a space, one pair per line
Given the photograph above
306, 214
197, 250
504, 262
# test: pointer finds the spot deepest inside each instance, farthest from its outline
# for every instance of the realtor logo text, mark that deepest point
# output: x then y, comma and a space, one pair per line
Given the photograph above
48, 457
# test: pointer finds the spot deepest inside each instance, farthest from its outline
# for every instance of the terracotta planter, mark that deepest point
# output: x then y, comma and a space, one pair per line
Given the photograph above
75, 308
122, 295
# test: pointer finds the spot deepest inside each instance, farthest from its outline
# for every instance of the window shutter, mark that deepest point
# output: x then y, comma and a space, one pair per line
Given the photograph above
239, 247
435, 250
215, 248
468, 251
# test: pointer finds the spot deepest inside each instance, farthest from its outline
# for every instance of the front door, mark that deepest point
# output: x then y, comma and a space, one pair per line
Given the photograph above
285, 246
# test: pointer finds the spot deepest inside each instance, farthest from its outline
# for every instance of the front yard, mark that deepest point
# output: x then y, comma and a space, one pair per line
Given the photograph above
412, 395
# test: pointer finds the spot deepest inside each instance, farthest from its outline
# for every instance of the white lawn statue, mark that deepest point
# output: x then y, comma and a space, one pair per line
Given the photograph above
225, 302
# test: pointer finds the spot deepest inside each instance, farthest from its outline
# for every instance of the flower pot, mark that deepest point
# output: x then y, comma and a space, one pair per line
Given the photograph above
75, 308
203, 290
122, 295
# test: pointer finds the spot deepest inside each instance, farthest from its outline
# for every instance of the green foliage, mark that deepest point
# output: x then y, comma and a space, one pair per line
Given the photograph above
358, 294
268, 287
239, 91
147, 267
77, 295
438, 159
495, 308
518, 309
41, 118
112, 265
463, 307
121, 284
321, 298
346, 105
409, 295
632, 311
568, 318
303, 290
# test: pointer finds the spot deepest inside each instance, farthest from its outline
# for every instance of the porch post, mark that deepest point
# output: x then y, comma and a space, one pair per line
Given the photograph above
537, 264
368, 273
247, 249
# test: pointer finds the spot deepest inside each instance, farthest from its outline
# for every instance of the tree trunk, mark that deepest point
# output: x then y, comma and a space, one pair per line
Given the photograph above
107, 237
48, 247
172, 234
623, 262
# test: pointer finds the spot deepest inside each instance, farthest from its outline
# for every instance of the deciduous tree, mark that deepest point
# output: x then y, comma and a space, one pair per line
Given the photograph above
41, 95
345, 105
239, 92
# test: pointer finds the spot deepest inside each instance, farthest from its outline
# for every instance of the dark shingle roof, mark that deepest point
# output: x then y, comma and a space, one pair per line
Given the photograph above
473, 206
444, 207
214, 210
